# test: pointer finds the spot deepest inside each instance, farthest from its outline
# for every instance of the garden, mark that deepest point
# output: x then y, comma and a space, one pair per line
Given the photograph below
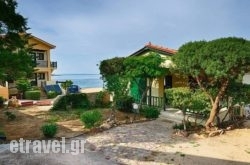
72, 115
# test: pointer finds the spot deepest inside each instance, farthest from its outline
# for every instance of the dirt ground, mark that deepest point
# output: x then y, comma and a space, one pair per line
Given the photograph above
151, 142
30, 119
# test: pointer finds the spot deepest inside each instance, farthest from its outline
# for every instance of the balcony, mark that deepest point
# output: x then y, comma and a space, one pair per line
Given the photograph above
53, 64
41, 63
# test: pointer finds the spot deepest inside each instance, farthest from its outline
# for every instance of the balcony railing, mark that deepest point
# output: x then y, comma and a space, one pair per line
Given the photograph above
42, 63
53, 64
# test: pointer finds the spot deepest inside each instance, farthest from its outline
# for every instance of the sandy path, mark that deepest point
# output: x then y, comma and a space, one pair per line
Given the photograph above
152, 143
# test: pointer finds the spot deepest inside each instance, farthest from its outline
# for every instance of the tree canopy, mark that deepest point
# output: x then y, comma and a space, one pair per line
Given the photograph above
112, 71
14, 51
148, 67
214, 64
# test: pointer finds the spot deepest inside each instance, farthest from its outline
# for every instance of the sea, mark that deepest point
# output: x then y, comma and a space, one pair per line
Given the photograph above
82, 80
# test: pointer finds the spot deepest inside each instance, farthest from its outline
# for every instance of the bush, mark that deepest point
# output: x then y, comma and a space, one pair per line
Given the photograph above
91, 118
32, 95
61, 104
49, 129
51, 94
79, 100
150, 112
1, 101
124, 103
185, 98
10, 115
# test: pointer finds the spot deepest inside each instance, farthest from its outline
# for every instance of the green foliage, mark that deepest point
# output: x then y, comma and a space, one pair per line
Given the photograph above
66, 84
23, 85
14, 64
124, 103
184, 98
199, 101
79, 100
239, 92
32, 95
49, 129
91, 118
112, 71
179, 97
10, 115
150, 112
51, 94
61, 104
215, 62
145, 66
1, 101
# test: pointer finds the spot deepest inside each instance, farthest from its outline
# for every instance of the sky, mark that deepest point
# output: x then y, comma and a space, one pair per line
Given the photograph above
85, 32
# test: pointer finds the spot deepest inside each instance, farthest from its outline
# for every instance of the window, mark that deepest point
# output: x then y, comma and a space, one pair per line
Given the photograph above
40, 56
41, 76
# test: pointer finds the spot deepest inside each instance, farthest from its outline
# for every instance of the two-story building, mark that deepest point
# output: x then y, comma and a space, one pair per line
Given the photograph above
42, 57
41, 52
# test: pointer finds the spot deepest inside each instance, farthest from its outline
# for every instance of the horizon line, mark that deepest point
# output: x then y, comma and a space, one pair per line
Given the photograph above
61, 74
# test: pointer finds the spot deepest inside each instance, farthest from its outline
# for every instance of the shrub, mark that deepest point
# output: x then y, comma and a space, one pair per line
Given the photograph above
33, 95
91, 118
124, 103
51, 94
1, 101
10, 115
78, 100
23, 85
184, 98
60, 104
150, 112
49, 129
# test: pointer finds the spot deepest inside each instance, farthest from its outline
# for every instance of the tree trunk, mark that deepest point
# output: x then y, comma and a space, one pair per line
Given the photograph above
214, 111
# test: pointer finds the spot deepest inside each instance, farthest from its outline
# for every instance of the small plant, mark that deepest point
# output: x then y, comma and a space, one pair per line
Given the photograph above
124, 103
151, 112
91, 118
49, 129
51, 94
32, 95
10, 115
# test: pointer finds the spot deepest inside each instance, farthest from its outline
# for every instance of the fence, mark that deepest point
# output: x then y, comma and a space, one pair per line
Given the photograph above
151, 100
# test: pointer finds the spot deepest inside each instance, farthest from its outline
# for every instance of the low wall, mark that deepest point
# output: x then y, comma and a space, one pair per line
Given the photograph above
4, 92
92, 97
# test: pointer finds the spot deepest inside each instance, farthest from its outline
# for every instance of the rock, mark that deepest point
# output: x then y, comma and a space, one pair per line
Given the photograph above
107, 157
105, 126
215, 133
90, 146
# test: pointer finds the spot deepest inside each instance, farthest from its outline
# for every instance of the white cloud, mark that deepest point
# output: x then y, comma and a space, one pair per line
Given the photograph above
87, 31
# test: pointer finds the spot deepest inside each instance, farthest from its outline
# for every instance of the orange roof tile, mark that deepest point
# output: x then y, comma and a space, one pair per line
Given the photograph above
161, 48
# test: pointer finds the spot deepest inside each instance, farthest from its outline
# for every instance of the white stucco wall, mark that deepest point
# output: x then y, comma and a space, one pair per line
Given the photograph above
246, 78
